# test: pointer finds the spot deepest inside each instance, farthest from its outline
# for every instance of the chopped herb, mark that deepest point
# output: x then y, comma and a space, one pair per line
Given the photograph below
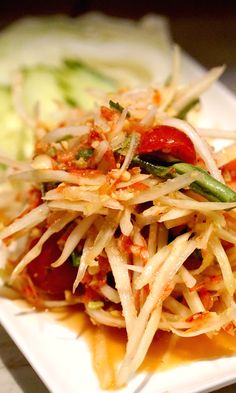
85, 153
118, 107
65, 138
124, 147
3, 167
73, 64
197, 253
95, 305
71, 101
52, 151
75, 259
183, 112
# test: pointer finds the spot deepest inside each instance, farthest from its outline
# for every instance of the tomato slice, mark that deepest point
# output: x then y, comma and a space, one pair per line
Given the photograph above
168, 140
53, 281
231, 169
229, 173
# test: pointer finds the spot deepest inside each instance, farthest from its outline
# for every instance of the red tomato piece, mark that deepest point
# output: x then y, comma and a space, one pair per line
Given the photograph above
229, 173
54, 281
168, 140
230, 167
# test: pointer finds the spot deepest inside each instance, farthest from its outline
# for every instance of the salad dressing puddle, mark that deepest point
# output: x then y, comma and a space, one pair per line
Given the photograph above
165, 352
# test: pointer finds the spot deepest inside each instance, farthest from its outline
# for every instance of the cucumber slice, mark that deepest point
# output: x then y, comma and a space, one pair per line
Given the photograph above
40, 86
16, 140
47, 86
76, 79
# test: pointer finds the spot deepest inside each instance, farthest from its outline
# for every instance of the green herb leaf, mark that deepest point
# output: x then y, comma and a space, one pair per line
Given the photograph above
75, 259
85, 153
95, 305
52, 151
124, 147
118, 107
73, 64
184, 111
3, 167
71, 101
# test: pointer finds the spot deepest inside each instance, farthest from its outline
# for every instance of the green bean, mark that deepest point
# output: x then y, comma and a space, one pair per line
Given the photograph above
205, 185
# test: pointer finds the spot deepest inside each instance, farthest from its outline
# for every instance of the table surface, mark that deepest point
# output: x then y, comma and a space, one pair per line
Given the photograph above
16, 375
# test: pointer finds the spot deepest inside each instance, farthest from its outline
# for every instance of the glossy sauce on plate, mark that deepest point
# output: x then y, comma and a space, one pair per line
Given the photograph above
165, 352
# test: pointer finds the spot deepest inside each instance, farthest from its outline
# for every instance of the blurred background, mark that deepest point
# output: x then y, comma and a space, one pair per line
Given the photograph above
205, 29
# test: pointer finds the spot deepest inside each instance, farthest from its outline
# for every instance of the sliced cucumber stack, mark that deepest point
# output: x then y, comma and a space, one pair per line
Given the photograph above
46, 87
40, 87
16, 139
77, 81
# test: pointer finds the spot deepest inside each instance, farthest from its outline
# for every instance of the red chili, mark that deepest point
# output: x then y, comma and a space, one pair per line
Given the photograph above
168, 140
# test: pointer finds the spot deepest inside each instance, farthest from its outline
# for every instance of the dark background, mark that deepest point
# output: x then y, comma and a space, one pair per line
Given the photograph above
205, 29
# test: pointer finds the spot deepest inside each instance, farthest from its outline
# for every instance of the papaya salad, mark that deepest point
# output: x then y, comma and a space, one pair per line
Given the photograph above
127, 211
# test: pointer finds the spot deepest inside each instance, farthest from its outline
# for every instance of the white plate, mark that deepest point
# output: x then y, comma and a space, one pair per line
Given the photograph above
63, 361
